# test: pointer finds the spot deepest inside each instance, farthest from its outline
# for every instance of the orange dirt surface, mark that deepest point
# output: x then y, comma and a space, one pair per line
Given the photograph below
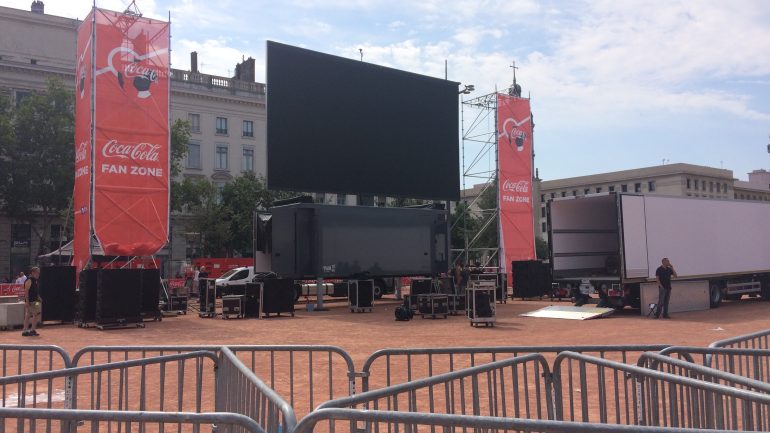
360, 334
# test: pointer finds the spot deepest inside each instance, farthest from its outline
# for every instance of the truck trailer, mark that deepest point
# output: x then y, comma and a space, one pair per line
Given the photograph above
611, 245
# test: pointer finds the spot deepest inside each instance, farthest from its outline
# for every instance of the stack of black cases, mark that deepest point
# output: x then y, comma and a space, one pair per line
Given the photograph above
360, 295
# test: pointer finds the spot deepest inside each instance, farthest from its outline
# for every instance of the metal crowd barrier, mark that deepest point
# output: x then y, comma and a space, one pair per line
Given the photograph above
390, 366
410, 422
515, 387
17, 360
755, 340
751, 363
58, 420
305, 374
633, 395
239, 390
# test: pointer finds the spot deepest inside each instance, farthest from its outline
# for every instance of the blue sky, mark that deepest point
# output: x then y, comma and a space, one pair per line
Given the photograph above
614, 84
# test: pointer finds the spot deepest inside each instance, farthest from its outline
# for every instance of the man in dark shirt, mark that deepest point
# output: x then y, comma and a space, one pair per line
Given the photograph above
663, 275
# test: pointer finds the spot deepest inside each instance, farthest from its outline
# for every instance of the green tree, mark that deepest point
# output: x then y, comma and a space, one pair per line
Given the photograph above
37, 154
541, 248
180, 136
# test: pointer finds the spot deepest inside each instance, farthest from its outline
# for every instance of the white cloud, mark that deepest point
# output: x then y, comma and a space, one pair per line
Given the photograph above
308, 28
215, 57
472, 36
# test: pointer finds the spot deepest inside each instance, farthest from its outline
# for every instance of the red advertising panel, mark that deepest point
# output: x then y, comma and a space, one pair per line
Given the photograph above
131, 142
514, 126
82, 193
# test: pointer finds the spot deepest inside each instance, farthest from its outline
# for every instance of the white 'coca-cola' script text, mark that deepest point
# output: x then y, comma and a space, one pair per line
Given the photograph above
137, 152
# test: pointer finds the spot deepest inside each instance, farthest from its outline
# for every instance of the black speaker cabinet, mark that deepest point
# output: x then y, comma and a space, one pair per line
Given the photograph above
208, 297
277, 296
119, 296
150, 294
251, 300
87, 285
360, 295
233, 305
422, 286
531, 278
57, 289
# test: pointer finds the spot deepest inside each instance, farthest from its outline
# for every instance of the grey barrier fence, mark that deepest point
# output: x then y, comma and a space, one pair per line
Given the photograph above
410, 422
515, 387
751, 363
17, 360
655, 398
305, 374
755, 340
58, 420
390, 366
239, 390
156, 383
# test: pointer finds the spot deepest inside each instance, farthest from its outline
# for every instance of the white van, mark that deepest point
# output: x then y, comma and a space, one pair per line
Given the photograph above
233, 282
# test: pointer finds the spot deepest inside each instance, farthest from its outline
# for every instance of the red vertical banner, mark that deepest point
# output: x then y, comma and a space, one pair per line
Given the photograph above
83, 106
514, 144
131, 140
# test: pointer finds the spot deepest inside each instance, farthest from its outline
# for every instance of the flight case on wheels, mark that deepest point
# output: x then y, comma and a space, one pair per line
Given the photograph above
360, 295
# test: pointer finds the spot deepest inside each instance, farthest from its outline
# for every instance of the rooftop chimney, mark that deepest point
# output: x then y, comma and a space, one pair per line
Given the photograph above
37, 7
246, 70
194, 61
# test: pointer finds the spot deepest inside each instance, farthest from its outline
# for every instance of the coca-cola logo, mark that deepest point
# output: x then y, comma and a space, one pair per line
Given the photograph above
81, 153
139, 68
137, 152
520, 186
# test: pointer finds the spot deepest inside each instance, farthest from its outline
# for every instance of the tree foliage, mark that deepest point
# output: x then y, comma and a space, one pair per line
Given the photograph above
37, 157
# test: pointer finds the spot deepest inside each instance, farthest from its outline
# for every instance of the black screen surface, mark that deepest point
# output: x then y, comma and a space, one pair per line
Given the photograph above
343, 126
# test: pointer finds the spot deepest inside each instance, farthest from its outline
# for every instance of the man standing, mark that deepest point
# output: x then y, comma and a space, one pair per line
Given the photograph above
32, 303
21, 279
663, 275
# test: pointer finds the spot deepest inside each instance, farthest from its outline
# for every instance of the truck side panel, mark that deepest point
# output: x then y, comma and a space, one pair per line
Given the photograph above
634, 237
707, 237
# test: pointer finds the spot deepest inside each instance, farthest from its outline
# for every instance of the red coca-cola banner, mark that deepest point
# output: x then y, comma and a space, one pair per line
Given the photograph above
83, 158
514, 126
131, 141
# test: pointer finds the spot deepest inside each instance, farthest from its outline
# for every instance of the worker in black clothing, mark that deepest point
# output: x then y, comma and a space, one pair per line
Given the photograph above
663, 275
32, 303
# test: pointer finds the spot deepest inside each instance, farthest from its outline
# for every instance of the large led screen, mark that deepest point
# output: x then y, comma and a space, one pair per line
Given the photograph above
337, 125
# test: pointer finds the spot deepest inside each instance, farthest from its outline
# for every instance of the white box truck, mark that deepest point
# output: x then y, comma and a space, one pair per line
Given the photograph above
610, 244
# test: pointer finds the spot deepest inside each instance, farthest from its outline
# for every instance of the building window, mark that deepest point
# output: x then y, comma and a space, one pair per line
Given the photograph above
544, 227
624, 188
696, 183
553, 195
564, 193
598, 189
724, 187
651, 186
193, 154
341, 199
711, 186
703, 185
248, 159
20, 96
574, 193
719, 187
21, 235
220, 186
586, 191
638, 187
688, 183
542, 212
195, 122
222, 125
611, 188
221, 157
248, 128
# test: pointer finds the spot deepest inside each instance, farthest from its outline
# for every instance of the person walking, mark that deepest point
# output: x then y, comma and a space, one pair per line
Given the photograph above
32, 303
663, 276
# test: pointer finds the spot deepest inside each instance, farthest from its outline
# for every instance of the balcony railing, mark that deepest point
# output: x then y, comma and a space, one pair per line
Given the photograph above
215, 82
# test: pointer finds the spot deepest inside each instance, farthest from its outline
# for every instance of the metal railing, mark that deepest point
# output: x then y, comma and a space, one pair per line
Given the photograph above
305, 375
410, 422
751, 363
632, 395
239, 390
755, 340
515, 387
58, 420
390, 366
16, 360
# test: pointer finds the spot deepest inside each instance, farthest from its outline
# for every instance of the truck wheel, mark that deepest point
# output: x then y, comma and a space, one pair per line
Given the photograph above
715, 295
378, 289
